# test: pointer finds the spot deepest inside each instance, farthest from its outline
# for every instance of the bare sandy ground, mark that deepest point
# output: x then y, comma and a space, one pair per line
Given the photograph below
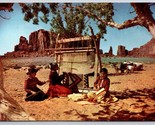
135, 91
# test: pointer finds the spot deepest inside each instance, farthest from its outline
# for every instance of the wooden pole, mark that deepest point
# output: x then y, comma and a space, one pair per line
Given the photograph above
57, 55
97, 53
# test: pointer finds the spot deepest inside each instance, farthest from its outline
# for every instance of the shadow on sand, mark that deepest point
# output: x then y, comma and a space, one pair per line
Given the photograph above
116, 112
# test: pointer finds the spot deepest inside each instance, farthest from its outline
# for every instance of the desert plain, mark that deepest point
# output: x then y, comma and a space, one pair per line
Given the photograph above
135, 92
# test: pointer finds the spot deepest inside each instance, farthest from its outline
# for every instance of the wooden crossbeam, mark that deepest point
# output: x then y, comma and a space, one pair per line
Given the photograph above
74, 51
75, 48
74, 39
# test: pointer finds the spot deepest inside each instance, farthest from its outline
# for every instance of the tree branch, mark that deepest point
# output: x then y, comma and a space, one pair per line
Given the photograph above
6, 6
126, 24
4, 17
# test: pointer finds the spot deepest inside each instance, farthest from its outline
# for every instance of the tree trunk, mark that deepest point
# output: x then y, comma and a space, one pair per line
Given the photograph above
144, 16
152, 30
9, 108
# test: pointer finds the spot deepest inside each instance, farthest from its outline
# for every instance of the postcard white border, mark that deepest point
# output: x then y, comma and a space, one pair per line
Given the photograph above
76, 122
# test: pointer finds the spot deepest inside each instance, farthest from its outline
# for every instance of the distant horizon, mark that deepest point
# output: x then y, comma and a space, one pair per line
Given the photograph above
100, 42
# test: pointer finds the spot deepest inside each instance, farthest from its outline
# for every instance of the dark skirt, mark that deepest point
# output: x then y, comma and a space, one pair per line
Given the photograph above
38, 96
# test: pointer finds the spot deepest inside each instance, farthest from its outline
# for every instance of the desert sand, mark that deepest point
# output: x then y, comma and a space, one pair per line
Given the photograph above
135, 93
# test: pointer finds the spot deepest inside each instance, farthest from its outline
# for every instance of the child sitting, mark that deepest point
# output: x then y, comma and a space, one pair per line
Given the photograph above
30, 86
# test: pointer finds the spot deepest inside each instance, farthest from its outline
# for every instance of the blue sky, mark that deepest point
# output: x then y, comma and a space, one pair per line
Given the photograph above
12, 29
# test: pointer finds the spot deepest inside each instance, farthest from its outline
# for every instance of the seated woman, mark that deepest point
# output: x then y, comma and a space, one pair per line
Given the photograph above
30, 86
59, 85
56, 89
103, 81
